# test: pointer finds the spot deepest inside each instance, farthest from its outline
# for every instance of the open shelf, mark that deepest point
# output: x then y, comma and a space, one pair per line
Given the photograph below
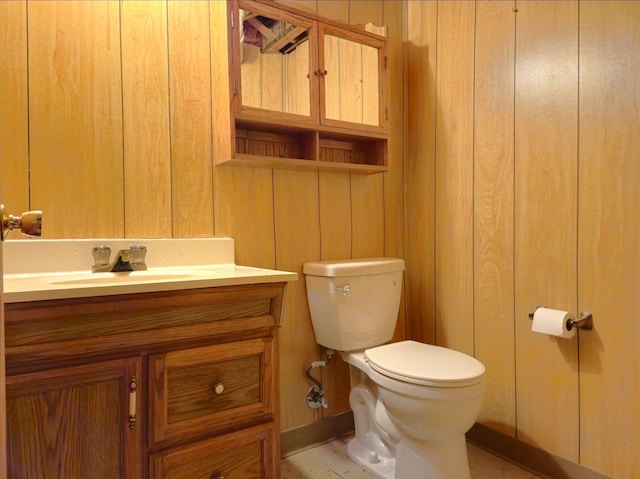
276, 146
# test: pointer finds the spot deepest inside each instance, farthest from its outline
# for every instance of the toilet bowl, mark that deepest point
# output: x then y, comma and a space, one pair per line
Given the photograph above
412, 402
422, 416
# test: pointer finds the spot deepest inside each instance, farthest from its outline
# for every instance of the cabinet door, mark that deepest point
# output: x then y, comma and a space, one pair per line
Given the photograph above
201, 390
245, 454
353, 80
273, 56
74, 422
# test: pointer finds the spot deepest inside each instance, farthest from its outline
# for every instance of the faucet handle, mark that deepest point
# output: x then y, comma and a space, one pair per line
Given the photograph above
101, 255
138, 254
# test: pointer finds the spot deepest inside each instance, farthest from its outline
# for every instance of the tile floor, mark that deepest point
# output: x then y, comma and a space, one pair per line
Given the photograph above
330, 461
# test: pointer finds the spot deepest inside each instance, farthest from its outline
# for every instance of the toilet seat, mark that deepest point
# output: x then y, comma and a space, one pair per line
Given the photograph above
425, 364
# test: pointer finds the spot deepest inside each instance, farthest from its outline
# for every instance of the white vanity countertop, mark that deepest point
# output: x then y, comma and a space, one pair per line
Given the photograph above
36, 270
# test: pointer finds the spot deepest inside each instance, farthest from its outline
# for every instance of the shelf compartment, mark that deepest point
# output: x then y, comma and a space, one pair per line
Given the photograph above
259, 144
294, 145
362, 152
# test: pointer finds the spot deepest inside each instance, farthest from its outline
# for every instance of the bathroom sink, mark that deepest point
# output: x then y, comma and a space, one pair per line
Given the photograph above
79, 284
39, 270
122, 277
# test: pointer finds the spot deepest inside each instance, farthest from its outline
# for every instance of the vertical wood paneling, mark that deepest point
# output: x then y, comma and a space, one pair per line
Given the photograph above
334, 10
365, 11
190, 86
420, 168
75, 118
310, 5
297, 70
609, 236
393, 19
367, 210
332, 102
545, 220
370, 86
145, 91
243, 200
297, 240
493, 209
454, 170
273, 85
251, 76
349, 82
335, 216
14, 146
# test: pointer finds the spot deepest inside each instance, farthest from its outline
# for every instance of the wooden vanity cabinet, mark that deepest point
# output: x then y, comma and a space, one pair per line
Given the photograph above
301, 91
161, 385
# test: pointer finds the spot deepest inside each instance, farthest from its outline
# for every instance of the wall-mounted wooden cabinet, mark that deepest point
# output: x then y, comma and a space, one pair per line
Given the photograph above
300, 91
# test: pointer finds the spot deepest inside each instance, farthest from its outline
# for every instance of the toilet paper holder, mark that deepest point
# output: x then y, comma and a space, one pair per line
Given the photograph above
584, 320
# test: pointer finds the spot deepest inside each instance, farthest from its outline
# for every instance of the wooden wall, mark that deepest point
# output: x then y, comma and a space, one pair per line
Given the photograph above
521, 185
523, 162
106, 125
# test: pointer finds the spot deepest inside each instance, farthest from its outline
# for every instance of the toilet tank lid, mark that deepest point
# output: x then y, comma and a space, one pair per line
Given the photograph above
353, 267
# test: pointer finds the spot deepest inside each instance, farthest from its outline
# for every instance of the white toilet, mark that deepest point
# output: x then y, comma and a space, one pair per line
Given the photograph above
412, 402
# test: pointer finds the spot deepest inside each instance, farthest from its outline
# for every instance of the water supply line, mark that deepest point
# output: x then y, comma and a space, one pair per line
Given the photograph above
315, 396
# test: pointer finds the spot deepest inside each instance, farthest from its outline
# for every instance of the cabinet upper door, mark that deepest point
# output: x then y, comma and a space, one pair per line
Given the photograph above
274, 54
292, 70
353, 79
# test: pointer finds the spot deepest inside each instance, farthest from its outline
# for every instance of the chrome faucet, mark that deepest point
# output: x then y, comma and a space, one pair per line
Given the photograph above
130, 259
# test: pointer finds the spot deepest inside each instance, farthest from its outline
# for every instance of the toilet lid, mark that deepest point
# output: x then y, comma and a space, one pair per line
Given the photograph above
420, 363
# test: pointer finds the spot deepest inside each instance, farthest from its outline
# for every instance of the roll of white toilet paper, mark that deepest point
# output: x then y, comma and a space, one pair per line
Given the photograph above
554, 322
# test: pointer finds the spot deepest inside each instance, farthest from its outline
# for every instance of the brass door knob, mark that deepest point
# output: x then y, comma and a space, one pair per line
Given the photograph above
29, 223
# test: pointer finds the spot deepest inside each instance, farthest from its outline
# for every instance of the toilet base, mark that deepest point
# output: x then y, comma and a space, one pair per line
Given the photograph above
370, 461
433, 460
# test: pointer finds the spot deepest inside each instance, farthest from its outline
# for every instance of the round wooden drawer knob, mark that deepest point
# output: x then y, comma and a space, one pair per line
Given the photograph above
218, 388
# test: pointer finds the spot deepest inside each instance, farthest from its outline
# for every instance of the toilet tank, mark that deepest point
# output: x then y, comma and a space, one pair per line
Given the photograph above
354, 303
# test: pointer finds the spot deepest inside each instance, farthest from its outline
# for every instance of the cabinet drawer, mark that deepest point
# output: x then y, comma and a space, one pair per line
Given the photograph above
201, 390
246, 454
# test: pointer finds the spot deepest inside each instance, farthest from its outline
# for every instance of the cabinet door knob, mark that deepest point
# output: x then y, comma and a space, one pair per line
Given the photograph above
218, 388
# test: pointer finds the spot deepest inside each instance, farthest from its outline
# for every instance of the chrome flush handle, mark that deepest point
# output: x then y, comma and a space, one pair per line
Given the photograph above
343, 289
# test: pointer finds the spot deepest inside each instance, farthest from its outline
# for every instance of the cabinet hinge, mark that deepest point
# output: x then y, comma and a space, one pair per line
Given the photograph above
235, 89
386, 111
385, 62
232, 21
